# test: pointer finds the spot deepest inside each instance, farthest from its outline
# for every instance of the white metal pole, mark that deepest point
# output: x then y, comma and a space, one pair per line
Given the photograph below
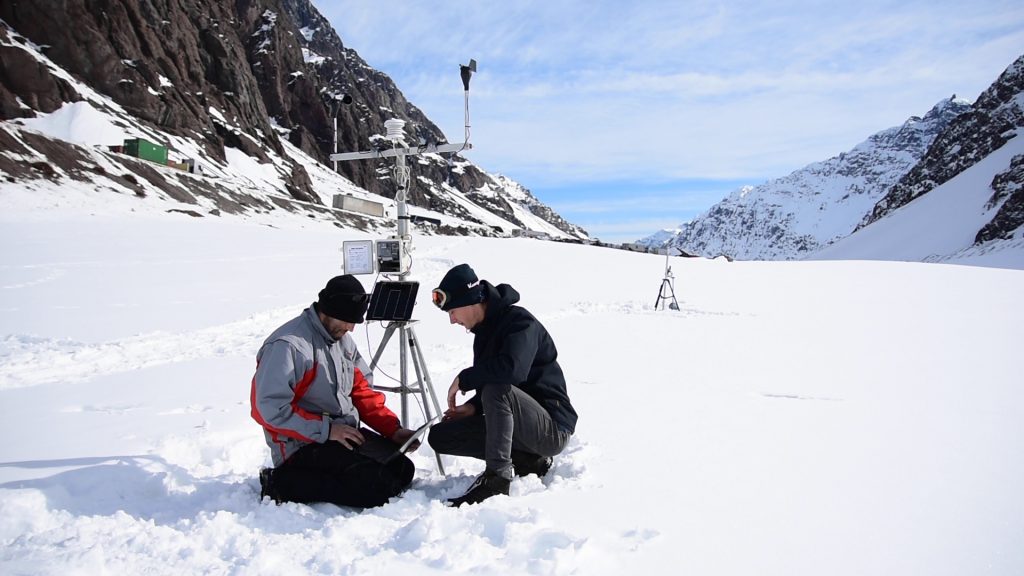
403, 369
335, 142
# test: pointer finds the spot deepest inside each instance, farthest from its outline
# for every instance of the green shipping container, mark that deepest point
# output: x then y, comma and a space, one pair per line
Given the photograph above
142, 148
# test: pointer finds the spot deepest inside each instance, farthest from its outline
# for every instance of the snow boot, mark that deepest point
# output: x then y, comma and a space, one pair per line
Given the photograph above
486, 485
525, 464
267, 486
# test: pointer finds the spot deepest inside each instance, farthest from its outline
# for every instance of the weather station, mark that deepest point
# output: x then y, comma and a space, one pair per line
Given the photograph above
393, 300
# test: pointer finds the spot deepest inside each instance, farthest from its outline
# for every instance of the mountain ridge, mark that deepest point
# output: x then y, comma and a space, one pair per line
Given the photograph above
246, 75
812, 208
996, 118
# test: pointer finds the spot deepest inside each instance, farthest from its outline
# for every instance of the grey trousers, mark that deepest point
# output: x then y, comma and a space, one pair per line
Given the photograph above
511, 420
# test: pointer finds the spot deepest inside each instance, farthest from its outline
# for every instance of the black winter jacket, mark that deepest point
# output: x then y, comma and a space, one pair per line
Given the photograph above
512, 348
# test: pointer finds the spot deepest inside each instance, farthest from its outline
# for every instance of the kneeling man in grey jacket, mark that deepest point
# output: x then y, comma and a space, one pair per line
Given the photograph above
310, 390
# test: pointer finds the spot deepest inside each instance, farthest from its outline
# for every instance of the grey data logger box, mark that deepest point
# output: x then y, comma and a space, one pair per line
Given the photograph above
389, 256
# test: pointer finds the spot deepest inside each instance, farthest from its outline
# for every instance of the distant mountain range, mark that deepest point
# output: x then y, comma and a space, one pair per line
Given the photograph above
248, 89
819, 205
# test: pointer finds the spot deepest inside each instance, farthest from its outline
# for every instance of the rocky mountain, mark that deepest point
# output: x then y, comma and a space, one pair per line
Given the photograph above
996, 118
795, 215
262, 77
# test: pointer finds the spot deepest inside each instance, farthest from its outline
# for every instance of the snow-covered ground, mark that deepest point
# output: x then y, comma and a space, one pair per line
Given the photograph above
792, 418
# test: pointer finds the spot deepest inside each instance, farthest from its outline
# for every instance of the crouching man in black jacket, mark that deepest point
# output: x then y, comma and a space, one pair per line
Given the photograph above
520, 416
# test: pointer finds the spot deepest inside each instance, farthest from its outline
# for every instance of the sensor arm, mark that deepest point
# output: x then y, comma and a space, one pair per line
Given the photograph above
393, 152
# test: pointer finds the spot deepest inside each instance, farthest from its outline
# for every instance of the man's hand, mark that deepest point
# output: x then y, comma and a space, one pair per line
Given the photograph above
347, 435
457, 412
403, 434
451, 393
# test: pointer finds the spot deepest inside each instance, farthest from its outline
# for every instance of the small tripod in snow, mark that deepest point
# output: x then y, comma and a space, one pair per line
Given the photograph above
667, 289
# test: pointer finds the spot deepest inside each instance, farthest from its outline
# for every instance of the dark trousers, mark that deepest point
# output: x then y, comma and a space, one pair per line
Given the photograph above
330, 472
511, 420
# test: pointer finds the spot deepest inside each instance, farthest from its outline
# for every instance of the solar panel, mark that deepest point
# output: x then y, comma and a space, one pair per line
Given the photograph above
392, 301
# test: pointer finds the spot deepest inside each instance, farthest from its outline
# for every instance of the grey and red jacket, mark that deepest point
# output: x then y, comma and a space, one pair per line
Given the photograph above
305, 380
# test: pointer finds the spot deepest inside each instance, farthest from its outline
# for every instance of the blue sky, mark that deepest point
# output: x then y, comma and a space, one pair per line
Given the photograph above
628, 117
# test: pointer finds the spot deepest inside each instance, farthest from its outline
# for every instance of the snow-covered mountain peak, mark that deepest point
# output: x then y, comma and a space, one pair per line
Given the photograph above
791, 216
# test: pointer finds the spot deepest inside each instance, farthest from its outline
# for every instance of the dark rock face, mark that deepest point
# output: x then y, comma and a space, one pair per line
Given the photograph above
1009, 192
24, 77
165, 61
319, 69
236, 73
994, 120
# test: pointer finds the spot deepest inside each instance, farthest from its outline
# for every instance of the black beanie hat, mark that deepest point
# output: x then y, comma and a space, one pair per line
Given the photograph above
344, 299
460, 287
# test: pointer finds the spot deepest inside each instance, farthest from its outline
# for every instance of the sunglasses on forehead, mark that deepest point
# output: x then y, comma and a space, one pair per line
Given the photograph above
439, 297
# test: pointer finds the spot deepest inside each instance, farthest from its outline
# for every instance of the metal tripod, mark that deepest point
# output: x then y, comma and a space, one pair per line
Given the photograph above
407, 336
667, 288
408, 344
665, 292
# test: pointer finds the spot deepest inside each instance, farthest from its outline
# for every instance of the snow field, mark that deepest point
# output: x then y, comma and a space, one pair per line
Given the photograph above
796, 417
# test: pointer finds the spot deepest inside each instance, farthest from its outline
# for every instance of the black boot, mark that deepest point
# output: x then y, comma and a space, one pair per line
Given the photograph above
486, 485
267, 486
525, 463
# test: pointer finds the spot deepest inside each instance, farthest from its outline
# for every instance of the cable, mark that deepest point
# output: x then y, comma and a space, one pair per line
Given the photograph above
419, 404
369, 347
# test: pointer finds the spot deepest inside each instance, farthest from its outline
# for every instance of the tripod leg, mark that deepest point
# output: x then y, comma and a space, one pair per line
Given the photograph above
383, 344
661, 294
426, 385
